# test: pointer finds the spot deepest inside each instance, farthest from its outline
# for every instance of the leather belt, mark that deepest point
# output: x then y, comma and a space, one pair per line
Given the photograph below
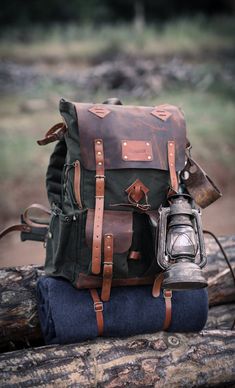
108, 267
171, 162
99, 207
98, 308
167, 294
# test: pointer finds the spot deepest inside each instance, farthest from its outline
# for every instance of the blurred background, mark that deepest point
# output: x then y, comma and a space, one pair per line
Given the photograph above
143, 52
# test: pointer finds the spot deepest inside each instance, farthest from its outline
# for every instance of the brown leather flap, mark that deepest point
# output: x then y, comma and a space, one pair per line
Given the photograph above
118, 223
120, 127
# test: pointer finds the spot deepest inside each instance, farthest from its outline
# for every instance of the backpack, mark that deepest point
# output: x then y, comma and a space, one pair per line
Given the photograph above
113, 168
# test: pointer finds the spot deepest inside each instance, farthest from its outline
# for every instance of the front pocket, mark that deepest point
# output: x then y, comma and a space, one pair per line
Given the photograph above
62, 244
119, 224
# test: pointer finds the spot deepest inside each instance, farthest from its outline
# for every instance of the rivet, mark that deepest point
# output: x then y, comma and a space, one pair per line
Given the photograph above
149, 157
98, 142
171, 154
125, 157
99, 153
100, 163
125, 143
108, 236
49, 235
171, 144
147, 144
108, 246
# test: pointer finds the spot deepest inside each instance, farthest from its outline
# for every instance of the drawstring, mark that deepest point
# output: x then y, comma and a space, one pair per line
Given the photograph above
225, 257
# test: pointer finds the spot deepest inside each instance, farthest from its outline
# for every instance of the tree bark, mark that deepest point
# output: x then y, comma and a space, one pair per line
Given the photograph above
221, 317
159, 360
19, 324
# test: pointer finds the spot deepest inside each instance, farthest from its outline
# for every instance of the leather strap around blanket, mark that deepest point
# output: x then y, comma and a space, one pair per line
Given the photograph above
167, 296
98, 307
171, 162
108, 267
99, 207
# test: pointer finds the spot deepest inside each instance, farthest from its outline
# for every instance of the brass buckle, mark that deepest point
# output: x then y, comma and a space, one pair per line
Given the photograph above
98, 307
167, 294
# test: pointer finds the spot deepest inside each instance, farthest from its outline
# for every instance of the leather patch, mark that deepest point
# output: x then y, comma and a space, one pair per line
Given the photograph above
117, 223
99, 111
137, 150
137, 190
161, 114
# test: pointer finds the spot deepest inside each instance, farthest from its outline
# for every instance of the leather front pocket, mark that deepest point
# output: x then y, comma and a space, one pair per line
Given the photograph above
119, 224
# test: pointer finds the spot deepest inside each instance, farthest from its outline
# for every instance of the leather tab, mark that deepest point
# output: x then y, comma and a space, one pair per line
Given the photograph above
108, 267
134, 255
167, 296
52, 135
137, 150
99, 207
172, 168
28, 220
137, 191
98, 308
156, 290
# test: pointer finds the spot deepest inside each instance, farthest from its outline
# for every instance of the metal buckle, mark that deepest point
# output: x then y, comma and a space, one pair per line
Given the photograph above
98, 307
167, 294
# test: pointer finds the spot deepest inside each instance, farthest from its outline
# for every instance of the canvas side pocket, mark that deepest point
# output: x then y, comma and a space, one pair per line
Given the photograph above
62, 244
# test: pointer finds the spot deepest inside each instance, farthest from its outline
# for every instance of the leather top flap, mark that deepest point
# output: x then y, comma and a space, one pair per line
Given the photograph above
133, 136
117, 223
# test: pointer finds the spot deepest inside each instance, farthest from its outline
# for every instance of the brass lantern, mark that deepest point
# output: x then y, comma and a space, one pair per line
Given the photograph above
181, 249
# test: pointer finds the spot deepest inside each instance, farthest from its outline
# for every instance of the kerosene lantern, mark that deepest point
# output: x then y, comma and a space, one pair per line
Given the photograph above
181, 249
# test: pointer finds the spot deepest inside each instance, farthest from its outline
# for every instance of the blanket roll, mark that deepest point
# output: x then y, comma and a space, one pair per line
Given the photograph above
67, 314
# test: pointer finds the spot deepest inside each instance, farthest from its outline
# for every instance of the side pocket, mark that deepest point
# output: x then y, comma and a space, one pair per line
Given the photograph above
62, 245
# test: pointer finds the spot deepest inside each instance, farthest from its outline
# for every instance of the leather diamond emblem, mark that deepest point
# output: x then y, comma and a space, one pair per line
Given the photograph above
137, 190
161, 114
99, 111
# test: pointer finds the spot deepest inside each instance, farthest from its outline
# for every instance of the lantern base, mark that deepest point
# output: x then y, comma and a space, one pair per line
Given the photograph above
183, 275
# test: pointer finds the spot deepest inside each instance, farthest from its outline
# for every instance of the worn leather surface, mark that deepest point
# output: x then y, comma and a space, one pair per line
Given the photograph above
130, 123
118, 223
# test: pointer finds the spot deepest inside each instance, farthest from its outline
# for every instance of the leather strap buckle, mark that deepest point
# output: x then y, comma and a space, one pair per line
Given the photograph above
167, 294
98, 307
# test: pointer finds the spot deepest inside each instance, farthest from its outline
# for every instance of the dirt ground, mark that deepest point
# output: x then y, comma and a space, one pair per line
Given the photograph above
218, 218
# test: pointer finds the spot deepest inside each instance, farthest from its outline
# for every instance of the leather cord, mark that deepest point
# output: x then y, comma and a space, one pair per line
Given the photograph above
54, 133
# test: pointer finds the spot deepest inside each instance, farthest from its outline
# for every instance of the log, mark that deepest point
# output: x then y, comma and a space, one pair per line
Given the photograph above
156, 360
221, 317
19, 325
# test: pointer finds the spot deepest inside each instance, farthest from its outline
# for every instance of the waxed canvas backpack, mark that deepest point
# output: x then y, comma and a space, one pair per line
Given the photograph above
111, 170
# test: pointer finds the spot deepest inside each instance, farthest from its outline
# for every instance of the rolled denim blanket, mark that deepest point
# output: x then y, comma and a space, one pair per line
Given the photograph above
67, 315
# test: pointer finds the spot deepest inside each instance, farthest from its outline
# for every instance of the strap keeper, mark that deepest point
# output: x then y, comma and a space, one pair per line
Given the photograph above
100, 176
98, 307
167, 294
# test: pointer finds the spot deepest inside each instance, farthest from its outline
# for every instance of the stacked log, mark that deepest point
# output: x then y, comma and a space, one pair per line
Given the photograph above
162, 359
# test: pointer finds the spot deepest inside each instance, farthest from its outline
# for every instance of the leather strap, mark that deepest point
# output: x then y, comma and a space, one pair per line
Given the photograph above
13, 228
167, 294
99, 207
171, 162
52, 135
108, 267
28, 220
98, 307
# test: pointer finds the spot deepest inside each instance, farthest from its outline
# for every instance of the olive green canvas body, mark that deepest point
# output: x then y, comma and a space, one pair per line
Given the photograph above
69, 240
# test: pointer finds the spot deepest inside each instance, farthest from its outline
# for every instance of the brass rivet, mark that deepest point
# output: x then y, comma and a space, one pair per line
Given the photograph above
125, 157
108, 236
99, 153
125, 143
100, 163
98, 142
147, 144
149, 157
171, 144
108, 246
171, 154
